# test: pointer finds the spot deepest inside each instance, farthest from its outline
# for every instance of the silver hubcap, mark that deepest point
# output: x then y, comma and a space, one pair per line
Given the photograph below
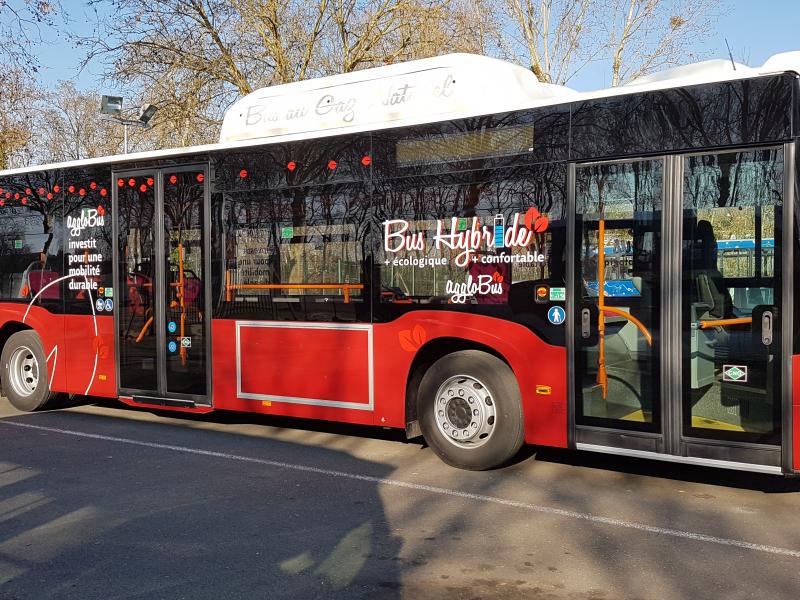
465, 411
23, 372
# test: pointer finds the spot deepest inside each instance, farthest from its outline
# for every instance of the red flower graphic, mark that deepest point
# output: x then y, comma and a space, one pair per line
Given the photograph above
536, 221
412, 340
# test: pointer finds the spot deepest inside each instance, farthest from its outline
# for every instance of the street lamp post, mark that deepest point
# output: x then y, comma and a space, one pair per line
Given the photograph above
111, 107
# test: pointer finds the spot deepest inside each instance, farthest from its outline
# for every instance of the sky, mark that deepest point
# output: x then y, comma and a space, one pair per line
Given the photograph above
755, 30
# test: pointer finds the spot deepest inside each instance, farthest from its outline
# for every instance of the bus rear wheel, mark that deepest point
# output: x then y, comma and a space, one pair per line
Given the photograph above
470, 410
24, 372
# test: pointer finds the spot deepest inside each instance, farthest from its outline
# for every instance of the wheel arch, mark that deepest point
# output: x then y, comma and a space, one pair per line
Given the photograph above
428, 354
9, 328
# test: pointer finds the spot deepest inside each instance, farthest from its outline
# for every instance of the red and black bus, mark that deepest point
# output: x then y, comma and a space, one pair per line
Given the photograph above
446, 246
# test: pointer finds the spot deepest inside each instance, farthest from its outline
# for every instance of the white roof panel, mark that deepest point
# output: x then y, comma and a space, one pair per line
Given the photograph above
431, 89
446, 87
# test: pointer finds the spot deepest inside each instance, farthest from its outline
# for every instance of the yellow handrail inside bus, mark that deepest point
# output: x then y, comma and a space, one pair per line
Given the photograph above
708, 324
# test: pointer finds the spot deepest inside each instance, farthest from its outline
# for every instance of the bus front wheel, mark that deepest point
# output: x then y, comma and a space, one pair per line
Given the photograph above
470, 410
24, 372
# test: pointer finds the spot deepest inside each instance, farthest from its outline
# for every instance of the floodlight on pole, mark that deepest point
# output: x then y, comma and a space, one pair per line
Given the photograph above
111, 107
146, 113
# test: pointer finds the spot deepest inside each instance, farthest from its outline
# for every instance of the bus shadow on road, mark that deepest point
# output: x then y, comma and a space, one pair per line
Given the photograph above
86, 518
774, 484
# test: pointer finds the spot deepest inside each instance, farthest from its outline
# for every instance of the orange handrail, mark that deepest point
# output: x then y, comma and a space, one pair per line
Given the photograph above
182, 303
708, 324
602, 377
618, 311
345, 287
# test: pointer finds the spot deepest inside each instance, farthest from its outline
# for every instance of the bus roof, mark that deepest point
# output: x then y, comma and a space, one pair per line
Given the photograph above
452, 86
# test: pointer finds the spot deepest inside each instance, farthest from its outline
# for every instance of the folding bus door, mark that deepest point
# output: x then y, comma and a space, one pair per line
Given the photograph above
617, 291
731, 312
680, 294
161, 271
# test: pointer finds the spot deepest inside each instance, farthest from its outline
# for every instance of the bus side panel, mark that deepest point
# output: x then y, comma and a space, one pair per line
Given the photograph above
540, 368
89, 355
50, 328
324, 371
796, 412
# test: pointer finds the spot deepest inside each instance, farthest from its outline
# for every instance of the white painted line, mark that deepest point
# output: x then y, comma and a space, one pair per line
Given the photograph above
677, 533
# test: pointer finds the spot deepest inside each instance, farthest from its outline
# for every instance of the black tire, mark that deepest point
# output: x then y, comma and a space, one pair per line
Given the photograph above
23, 351
496, 395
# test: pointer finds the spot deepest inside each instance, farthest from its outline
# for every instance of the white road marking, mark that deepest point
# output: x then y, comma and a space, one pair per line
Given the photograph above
677, 533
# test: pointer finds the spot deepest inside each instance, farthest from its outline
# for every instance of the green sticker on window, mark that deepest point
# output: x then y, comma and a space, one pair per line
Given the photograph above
558, 294
17, 244
287, 232
734, 373
462, 223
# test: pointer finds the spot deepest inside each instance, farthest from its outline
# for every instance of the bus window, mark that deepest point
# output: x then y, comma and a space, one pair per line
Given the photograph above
449, 244
31, 238
296, 254
88, 245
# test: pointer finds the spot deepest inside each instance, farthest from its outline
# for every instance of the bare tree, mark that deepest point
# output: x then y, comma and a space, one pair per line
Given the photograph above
71, 128
195, 57
17, 115
559, 38
21, 23
21, 26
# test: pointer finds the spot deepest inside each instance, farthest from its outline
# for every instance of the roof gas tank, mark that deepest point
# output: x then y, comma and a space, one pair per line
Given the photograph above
419, 91
784, 61
700, 72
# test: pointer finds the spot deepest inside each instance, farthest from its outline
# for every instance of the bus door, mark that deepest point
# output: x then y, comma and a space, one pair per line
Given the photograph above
730, 310
161, 285
676, 341
617, 290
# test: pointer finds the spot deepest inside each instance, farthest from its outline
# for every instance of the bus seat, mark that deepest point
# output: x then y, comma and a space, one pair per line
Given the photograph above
35, 278
39, 279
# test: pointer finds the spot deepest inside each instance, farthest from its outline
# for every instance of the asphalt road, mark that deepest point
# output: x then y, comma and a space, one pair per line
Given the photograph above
106, 502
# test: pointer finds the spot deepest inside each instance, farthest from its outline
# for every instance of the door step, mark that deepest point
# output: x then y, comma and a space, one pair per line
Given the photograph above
153, 401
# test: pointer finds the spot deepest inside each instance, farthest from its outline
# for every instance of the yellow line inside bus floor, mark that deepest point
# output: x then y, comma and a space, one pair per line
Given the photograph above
697, 422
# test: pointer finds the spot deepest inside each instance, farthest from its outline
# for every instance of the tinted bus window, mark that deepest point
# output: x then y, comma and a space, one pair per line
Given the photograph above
86, 195
704, 116
489, 141
321, 161
31, 238
479, 246
295, 254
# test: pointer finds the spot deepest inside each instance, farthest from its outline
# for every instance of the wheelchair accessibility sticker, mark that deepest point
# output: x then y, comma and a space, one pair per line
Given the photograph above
556, 315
